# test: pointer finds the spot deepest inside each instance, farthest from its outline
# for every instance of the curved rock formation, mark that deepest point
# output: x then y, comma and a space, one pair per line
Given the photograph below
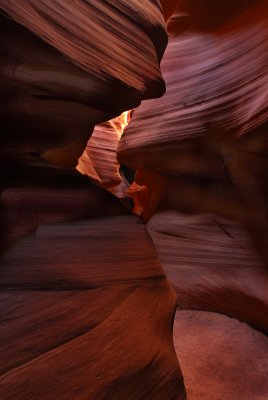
63, 64
87, 311
211, 89
202, 147
99, 160
212, 266
87, 314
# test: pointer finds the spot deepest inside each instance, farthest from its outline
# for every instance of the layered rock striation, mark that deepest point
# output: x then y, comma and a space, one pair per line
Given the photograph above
64, 63
202, 147
87, 310
212, 266
87, 314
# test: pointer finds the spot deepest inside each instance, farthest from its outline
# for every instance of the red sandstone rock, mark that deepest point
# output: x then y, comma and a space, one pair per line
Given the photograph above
202, 147
89, 300
62, 66
112, 52
212, 266
99, 160
169, 7
87, 315
51, 197
216, 85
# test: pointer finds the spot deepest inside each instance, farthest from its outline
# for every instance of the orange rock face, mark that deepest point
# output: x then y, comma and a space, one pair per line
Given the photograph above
99, 160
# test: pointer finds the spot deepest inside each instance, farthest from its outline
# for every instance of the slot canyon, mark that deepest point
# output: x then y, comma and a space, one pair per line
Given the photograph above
134, 200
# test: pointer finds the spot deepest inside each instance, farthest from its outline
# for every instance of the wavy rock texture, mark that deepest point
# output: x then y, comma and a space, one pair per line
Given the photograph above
87, 310
202, 147
87, 315
87, 24
99, 160
215, 81
62, 66
221, 358
212, 266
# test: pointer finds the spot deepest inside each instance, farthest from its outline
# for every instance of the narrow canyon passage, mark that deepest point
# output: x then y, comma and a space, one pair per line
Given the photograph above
133, 200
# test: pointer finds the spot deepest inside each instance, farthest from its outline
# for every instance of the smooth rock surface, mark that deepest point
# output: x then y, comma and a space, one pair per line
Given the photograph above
87, 314
212, 266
